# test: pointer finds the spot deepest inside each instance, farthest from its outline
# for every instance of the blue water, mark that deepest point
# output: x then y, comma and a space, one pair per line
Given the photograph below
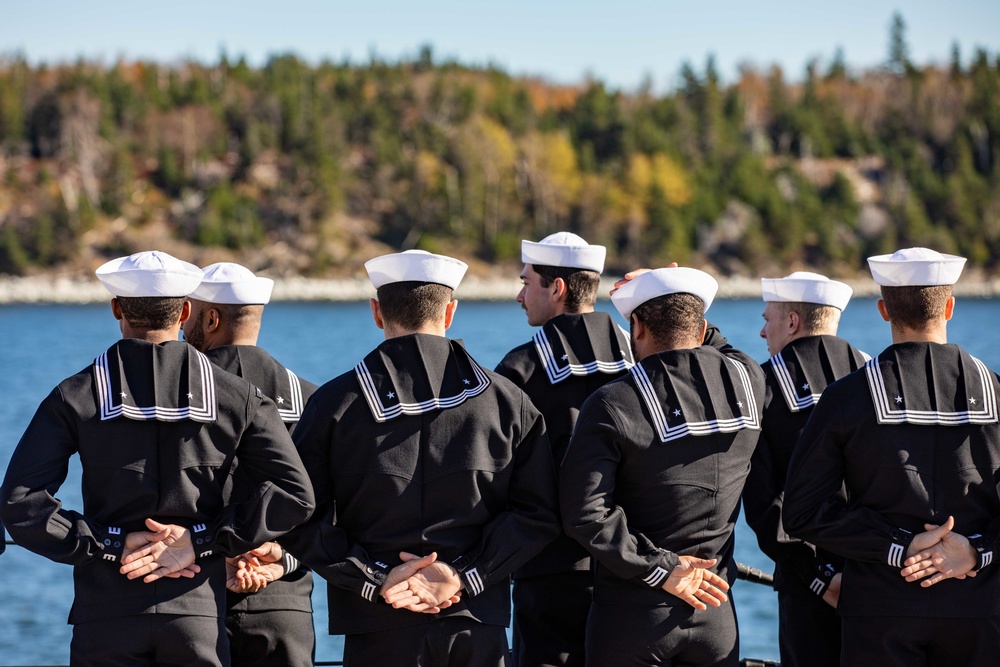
44, 344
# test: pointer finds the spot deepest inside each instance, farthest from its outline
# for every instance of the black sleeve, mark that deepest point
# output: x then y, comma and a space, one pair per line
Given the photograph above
319, 542
587, 481
33, 515
508, 368
763, 497
531, 520
714, 338
814, 509
282, 496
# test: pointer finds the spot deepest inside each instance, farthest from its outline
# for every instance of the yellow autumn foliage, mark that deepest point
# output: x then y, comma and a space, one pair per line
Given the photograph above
644, 171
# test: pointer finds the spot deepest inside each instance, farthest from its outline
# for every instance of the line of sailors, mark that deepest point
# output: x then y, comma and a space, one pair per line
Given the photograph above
601, 468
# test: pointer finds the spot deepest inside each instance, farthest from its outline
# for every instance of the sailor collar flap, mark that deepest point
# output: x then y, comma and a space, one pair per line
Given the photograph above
931, 384
686, 393
807, 366
410, 375
575, 344
258, 367
143, 381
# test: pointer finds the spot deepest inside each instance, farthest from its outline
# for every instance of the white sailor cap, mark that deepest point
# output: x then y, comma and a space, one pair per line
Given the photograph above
806, 287
916, 267
149, 273
564, 249
226, 282
660, 282
416, 265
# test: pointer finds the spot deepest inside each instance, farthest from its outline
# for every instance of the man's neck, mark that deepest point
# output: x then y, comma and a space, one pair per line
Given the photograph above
582, 310
232, 339
913, 336
647, 351
392, 331
155, 336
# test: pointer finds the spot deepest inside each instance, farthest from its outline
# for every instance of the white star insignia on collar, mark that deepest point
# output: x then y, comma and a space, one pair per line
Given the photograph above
805, 387
565, 357
280, 400
467, 381
390, 395
124, 395
899, 399
677, 413
972, 401
190, 395
739, 404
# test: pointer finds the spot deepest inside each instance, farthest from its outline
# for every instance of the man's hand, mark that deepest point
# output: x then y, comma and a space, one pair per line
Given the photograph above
635, 273
926, 540
949, 557
241, 578
163, 551
831, 595
693, 582
422, 584
255, 569
439, 584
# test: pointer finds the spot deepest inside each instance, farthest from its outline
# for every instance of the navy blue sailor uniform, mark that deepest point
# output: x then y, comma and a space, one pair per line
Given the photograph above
273, 626
157, 428
808, 628
568, 358
420, 449
654, 471
914, 437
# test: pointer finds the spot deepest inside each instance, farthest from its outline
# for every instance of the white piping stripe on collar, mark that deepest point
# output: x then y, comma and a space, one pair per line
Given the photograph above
668, 433
887, 415
792, 399
293, 413
557, 375
109, 410
382, 413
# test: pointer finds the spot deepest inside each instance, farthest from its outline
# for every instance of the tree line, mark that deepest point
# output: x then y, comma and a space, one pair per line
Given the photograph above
319, 159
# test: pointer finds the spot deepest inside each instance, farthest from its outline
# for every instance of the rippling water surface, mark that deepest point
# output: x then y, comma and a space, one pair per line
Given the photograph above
44, 344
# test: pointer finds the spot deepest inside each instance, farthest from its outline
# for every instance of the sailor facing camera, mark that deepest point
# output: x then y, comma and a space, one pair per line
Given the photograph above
157, 428
651, 482
914, 438
434, 479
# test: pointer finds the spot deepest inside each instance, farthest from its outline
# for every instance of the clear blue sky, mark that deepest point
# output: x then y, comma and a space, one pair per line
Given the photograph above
618, 41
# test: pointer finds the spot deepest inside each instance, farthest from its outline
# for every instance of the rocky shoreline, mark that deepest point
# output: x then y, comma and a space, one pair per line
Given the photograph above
66, 290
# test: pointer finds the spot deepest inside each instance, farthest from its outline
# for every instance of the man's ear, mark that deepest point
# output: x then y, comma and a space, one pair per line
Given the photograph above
116, 308
638, 328
794, 322
213, 320
704, 330
185, 311
449, 313
882, 310
559, 289
376, 313
949, 308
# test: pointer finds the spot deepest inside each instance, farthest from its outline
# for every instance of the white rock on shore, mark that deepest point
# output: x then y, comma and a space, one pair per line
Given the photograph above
75, 291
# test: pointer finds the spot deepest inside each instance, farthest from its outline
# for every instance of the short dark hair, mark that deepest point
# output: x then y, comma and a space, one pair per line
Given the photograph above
581, 284
410, 304
913, 307
673, 318
151, 312
240, 316
815, 317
